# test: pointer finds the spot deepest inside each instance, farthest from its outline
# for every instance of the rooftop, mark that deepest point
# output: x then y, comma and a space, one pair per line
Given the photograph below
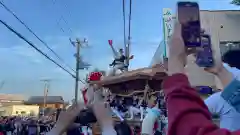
49, 100
12, 97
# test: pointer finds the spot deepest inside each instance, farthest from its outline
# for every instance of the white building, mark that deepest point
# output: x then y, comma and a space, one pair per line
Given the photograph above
223, 26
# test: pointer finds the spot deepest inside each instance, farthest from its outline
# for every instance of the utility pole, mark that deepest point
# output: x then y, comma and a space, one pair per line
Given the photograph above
78, 44
2, 84
45, 92
128, 50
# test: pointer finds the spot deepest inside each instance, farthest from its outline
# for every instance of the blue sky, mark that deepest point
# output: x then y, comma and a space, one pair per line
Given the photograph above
22, 68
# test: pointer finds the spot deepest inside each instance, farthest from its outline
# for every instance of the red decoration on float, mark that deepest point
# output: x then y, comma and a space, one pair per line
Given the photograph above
95, 76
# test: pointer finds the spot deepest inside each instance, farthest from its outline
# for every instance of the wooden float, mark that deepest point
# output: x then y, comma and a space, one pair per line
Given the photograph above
130, 82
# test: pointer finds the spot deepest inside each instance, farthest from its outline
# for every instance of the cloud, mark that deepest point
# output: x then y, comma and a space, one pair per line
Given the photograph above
27, 53
21, 52
143, 53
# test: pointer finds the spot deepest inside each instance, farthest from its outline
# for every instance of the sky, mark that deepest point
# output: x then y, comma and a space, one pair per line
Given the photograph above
22, 68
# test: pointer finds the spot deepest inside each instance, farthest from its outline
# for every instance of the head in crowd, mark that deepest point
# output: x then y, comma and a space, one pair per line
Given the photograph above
231, 58
123, 129
135, 97
152, 100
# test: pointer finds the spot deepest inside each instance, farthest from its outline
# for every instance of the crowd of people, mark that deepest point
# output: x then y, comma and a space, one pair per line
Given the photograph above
18, 125
133, 106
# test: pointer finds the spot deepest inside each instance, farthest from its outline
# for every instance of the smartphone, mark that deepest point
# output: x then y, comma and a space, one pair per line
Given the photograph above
189, 18
204, 56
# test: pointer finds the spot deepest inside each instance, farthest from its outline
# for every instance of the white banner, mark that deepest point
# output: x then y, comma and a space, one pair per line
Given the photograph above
167, 27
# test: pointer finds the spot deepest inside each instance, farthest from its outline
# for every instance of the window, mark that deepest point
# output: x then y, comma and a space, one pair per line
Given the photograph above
228, 45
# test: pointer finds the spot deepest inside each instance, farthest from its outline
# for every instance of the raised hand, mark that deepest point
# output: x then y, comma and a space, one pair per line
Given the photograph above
177, 52
66, 118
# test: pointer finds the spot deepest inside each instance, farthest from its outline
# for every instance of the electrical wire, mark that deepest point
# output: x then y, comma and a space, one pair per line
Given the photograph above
67, 24
33, 46
69, 29
129, 29
124, 25
129, 21
64, 20
127, 41
58, 24
31, 31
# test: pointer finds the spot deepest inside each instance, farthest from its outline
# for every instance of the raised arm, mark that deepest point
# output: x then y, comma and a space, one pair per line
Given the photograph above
115, 53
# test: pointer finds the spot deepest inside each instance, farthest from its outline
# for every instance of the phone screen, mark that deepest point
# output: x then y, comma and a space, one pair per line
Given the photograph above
205, 55
189, 18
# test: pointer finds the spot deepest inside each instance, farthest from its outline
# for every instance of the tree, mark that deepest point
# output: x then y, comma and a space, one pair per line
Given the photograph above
236, 2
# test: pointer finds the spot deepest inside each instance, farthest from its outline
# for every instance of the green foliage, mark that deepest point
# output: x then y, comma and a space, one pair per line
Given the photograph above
236, 2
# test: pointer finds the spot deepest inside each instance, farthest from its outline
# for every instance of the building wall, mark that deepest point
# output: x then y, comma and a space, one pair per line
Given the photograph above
11, 99
223, 26
6, 111
25, 110
197, 76
212, 21
32, 110
57, 105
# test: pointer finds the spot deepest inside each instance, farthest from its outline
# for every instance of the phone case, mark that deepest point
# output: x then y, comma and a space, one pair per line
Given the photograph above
204, 57
189, 17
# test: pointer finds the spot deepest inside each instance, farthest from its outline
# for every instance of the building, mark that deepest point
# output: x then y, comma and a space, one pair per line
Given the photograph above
23, 110
7, 101
223, 26
49, 101
11, 99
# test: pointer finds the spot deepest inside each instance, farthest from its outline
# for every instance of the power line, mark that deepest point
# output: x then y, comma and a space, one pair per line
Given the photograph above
70, 30
62, 18
31, 31
127, 44
33, 46
124, 24
129, 20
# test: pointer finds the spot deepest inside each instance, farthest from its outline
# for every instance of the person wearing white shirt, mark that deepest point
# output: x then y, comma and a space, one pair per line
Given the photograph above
229, 116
